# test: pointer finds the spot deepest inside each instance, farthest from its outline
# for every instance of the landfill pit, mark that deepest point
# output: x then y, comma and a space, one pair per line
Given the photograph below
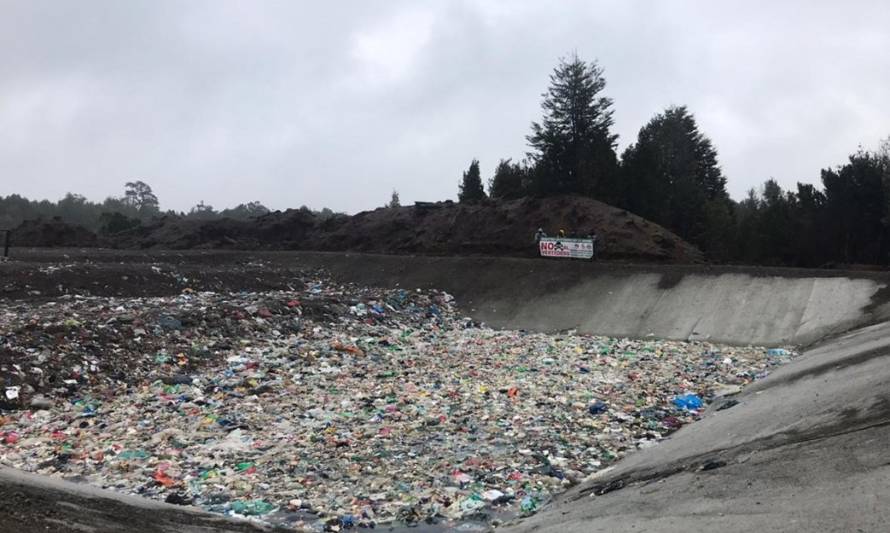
333, 407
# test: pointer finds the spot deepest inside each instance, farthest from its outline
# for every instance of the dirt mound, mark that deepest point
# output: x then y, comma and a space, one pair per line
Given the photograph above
52, 232
506, 228
445, 228
288, 230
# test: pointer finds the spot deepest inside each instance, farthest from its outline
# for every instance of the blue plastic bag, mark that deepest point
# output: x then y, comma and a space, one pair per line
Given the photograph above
689, 402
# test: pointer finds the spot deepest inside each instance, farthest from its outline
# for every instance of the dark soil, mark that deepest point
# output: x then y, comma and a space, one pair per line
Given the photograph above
94, 272
52, 232
506, 228
490, 228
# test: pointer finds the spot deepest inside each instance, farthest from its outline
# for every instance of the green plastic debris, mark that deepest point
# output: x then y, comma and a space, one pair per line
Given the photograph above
528, 505
128, 455
252, 507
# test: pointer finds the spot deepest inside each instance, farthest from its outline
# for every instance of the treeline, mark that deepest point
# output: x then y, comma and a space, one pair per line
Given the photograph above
671, 175
846, 222
138, 205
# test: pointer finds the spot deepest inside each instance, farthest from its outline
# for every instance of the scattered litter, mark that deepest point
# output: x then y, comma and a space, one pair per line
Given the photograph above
332, 406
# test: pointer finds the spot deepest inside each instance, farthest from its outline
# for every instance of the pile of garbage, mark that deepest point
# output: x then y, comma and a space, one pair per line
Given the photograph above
334, 406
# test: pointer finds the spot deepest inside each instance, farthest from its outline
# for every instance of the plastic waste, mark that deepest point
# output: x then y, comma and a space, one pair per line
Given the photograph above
169, 322
689, 402
252, 507
492, 495
471, 504
128, 455
597, 408
365, 406
528, 505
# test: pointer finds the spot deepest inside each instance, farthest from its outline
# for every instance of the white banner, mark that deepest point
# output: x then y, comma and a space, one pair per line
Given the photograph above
576, 248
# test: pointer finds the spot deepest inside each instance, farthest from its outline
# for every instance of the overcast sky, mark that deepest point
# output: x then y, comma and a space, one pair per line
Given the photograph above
335, 104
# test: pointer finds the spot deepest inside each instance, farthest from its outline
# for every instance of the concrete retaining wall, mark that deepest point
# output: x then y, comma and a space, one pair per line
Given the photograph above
732, 305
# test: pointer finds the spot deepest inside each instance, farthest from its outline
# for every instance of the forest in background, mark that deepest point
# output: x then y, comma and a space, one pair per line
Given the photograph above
139, 205
669, 175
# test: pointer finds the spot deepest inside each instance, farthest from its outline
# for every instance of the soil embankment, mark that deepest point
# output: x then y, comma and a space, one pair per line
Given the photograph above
491, 228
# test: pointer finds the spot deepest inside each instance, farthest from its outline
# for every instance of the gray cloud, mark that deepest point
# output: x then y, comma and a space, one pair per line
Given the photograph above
336, 103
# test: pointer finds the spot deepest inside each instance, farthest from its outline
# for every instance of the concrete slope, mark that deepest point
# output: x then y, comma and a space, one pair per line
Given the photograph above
736, 305
804, 450
731, 305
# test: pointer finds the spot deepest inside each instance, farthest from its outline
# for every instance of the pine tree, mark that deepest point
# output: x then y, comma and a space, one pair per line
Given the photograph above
510, 181
856, 203
471, 190
573, 148
671, 176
